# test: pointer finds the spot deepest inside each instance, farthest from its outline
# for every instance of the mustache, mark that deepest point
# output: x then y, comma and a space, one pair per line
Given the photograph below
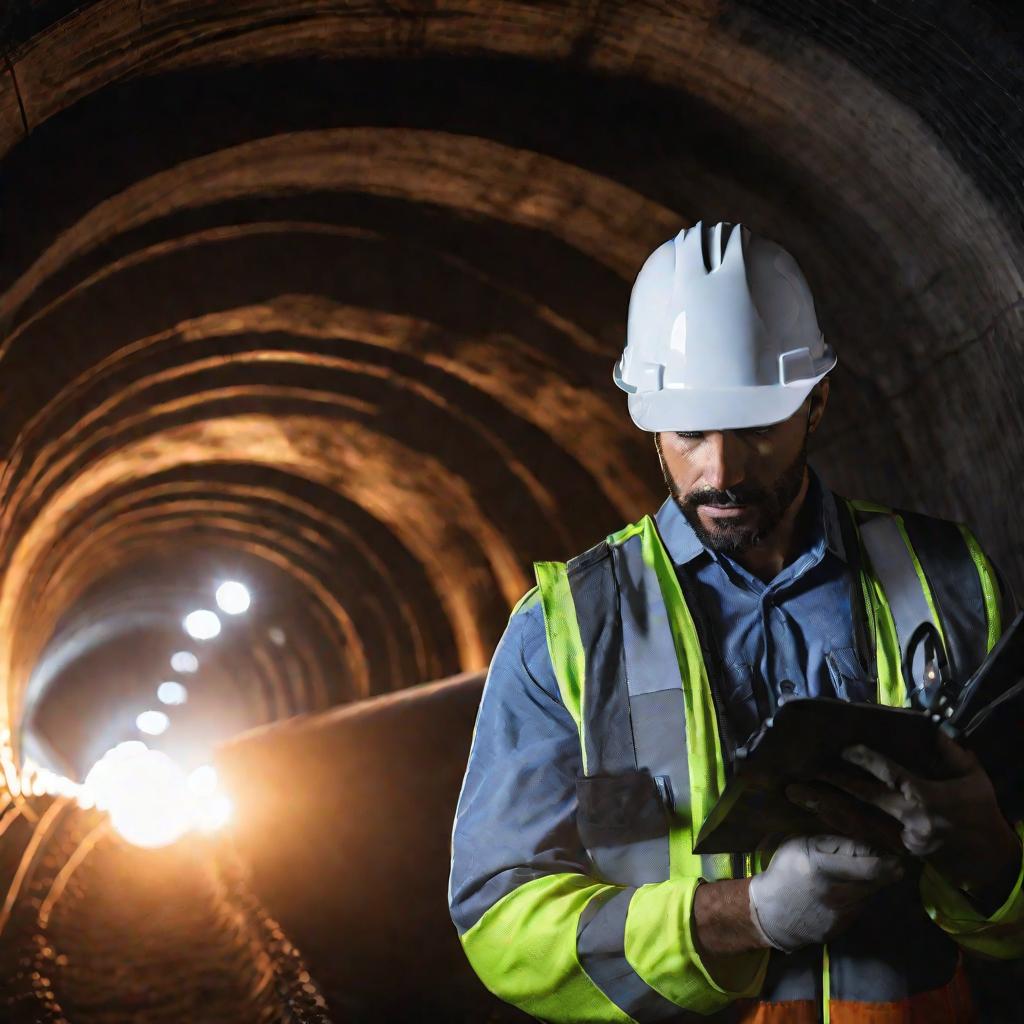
728, 498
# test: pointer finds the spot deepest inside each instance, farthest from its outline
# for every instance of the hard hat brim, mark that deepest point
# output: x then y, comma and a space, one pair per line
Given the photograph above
701, 409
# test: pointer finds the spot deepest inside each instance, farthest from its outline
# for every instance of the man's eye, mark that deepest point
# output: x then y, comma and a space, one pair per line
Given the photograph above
690, 435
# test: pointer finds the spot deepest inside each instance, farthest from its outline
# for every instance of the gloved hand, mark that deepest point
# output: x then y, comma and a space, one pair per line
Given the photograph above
954, 822
814, 886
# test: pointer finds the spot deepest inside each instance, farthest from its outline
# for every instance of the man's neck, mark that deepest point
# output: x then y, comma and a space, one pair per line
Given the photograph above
778, 548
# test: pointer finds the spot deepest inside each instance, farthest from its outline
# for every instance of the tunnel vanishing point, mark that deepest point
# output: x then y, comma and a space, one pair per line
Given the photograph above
324, 297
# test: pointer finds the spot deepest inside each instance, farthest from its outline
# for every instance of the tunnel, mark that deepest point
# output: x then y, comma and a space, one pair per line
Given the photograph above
323, 299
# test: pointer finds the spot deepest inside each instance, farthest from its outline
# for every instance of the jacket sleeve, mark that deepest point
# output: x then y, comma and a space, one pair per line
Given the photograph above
540, 931
1001, 933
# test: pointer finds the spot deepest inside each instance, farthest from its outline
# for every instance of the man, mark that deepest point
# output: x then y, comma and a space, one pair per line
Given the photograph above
627, 678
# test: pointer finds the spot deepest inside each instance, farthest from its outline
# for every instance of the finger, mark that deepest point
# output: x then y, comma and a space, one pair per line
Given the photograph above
854, 781
843, 814
894, 775
852, 859
836, 810
864, 789
897, 805
843, 867
845, 846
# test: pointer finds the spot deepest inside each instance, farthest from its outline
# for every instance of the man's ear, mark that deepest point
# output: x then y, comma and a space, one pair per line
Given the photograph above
819, 399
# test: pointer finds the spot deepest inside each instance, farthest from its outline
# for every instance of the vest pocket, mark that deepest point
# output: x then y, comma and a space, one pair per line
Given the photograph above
623, 822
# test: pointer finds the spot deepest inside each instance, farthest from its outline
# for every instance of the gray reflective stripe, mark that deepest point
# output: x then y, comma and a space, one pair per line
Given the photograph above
956, 589
605, 700
656, 703
893, 566
656, 706
600, 946
622, 818
471, 905
651, 662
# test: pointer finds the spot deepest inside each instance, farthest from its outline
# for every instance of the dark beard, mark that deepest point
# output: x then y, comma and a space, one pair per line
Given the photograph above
771, 504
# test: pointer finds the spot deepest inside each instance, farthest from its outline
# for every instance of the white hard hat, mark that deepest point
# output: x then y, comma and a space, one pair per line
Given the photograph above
722, 334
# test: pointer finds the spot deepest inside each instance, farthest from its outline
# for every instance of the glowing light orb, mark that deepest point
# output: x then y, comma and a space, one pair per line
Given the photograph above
276, 635
213, 813
171, 693
152, 723
202, 624
233, 597
185, 662
203, 780
101, 781
150, 800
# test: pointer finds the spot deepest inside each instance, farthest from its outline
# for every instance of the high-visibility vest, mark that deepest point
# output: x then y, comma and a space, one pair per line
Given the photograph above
630, 653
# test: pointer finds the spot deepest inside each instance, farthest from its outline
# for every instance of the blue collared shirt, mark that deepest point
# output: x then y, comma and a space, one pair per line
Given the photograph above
793, 636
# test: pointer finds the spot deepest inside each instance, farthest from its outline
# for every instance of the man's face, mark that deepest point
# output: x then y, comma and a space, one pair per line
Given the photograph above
735, 485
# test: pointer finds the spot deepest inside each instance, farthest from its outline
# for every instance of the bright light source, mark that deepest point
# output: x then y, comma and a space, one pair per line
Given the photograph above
150, 800
153, 723
149, 804
213, 813
202, 624
185, 662
233, 597
171, 693
99, 784
276, 635
203, 780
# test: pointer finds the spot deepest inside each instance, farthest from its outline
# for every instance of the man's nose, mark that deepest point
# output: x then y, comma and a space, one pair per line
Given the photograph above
724, 460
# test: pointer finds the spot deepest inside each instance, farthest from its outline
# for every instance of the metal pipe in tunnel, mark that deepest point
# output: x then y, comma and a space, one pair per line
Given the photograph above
359, 802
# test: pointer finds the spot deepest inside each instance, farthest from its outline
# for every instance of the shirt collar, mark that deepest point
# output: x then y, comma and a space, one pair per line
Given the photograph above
684, 546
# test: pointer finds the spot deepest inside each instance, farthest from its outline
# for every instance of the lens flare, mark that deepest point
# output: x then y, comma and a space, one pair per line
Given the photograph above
149, 804
233, 597
184, 662
202, 624
152, 723
171, 693
150, 799
203, 780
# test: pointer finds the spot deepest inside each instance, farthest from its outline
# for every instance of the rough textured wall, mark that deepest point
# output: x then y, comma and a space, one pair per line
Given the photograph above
339, 288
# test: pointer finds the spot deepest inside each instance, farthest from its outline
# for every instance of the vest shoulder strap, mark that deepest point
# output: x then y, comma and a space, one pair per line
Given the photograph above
922, 569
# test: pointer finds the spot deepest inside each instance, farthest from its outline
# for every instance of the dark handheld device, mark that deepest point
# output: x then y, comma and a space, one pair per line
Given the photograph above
805, 736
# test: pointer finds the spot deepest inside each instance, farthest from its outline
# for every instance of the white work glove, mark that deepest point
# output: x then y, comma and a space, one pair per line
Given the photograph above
814, 887
953, 822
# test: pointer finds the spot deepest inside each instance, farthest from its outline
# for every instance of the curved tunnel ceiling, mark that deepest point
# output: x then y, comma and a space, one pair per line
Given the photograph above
329, 299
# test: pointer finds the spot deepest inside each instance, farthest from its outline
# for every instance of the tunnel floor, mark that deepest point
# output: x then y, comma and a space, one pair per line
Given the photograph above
107, 933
